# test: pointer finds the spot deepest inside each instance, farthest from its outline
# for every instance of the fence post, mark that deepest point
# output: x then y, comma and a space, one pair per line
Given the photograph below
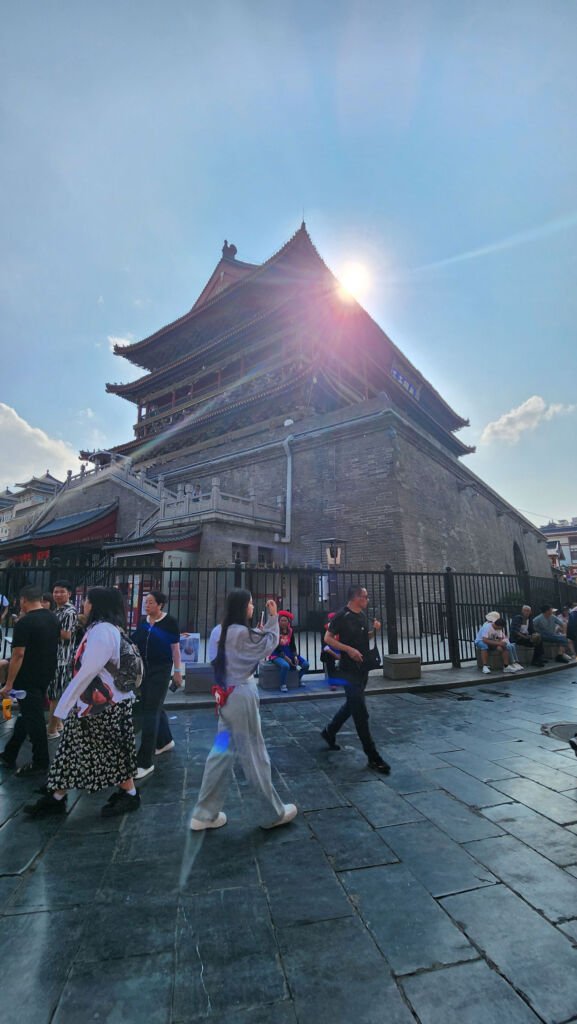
391, 611
452, 629
237, 571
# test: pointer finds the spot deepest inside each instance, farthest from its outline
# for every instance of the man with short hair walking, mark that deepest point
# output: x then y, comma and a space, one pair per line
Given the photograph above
32, 666
348, 632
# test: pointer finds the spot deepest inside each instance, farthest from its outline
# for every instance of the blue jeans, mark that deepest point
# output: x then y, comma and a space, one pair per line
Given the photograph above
284, 666
555, 638
482, 646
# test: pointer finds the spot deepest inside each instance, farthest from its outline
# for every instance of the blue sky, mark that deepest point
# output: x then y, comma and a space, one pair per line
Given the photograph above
433, 141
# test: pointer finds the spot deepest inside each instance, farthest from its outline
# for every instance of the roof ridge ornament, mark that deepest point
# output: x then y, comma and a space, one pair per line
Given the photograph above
228, 251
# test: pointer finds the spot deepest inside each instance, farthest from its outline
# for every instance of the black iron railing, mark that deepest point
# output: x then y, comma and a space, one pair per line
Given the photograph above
434, 614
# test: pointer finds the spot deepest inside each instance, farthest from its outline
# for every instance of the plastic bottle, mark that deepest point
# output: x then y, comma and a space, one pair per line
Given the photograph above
17, 694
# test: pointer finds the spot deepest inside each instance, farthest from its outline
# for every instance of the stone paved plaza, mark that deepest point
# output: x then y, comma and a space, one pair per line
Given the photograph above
444, 893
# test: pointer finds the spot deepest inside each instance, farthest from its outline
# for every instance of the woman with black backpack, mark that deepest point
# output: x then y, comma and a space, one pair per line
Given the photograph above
97, 748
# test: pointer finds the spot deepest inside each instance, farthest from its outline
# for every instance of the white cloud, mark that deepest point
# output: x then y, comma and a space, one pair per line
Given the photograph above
28, 451
526, 417
87, 414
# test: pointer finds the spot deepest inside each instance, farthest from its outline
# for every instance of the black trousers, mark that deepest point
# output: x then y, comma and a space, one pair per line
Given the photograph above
524, 641
355, 706
30, 723
155, 728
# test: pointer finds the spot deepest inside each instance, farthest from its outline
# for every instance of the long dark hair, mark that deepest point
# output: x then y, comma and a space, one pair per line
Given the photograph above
235, 614
107, 606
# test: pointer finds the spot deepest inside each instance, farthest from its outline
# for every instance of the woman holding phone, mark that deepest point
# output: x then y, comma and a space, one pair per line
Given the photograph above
235, 649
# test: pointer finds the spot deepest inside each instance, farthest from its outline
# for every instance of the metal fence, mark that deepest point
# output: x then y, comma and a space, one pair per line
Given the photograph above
435, 614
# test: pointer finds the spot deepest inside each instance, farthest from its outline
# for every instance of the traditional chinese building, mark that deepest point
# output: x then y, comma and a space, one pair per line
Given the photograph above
277, 423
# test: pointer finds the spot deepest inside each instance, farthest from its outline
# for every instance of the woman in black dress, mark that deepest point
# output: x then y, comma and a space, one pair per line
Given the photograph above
158, 640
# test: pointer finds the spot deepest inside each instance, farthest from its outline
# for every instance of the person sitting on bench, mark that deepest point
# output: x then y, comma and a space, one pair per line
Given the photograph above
547, 625
286, 656
524, 634
492, 637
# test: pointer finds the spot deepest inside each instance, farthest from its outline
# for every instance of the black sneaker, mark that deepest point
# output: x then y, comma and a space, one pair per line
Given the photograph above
573, 744
31, 771
114, 798
6, 761
123, 804
331, 743
45, 807
378, 765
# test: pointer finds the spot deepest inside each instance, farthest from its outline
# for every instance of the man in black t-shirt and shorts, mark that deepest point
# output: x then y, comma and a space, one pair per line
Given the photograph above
349, 633
32, 666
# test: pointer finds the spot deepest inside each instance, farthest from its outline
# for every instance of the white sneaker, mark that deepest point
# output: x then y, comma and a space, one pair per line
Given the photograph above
510, 669
518, 667
486, 670
199, 826
290, 812
143, 773
166, 748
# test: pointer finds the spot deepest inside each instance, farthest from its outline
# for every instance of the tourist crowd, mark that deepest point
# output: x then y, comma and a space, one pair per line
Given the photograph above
77, 678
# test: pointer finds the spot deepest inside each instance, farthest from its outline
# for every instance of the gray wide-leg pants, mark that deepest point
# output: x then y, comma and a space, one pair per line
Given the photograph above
239, 733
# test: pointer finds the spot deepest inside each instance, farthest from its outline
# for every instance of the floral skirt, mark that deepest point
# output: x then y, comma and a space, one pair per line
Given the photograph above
95, 752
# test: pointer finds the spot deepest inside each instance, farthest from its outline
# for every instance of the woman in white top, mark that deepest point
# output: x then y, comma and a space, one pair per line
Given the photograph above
237, 649
97, 748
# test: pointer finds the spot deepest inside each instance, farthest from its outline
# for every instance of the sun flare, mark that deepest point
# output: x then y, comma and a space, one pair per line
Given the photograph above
355, 280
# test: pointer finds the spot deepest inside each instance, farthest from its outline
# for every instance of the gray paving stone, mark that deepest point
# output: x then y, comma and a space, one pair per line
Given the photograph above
128, 925
439, 863
312, 792
50, 887
466, 788
336, 974
134, 989
410, 755
479, 767
348, 840
541, 834
411, 929
531, 953
226, 954
467, 994
380, 804
453, 817
301, 884
271, 1013
544, 775
44, 945
21, 841
553, 759
406, 780
543, 885
10, 803
570, 928
553, 805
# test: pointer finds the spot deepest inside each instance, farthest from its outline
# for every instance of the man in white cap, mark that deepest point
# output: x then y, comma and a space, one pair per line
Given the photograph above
492, 637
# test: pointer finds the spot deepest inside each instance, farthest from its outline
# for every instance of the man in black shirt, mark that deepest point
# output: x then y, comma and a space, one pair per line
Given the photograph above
32, 666
348, 632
